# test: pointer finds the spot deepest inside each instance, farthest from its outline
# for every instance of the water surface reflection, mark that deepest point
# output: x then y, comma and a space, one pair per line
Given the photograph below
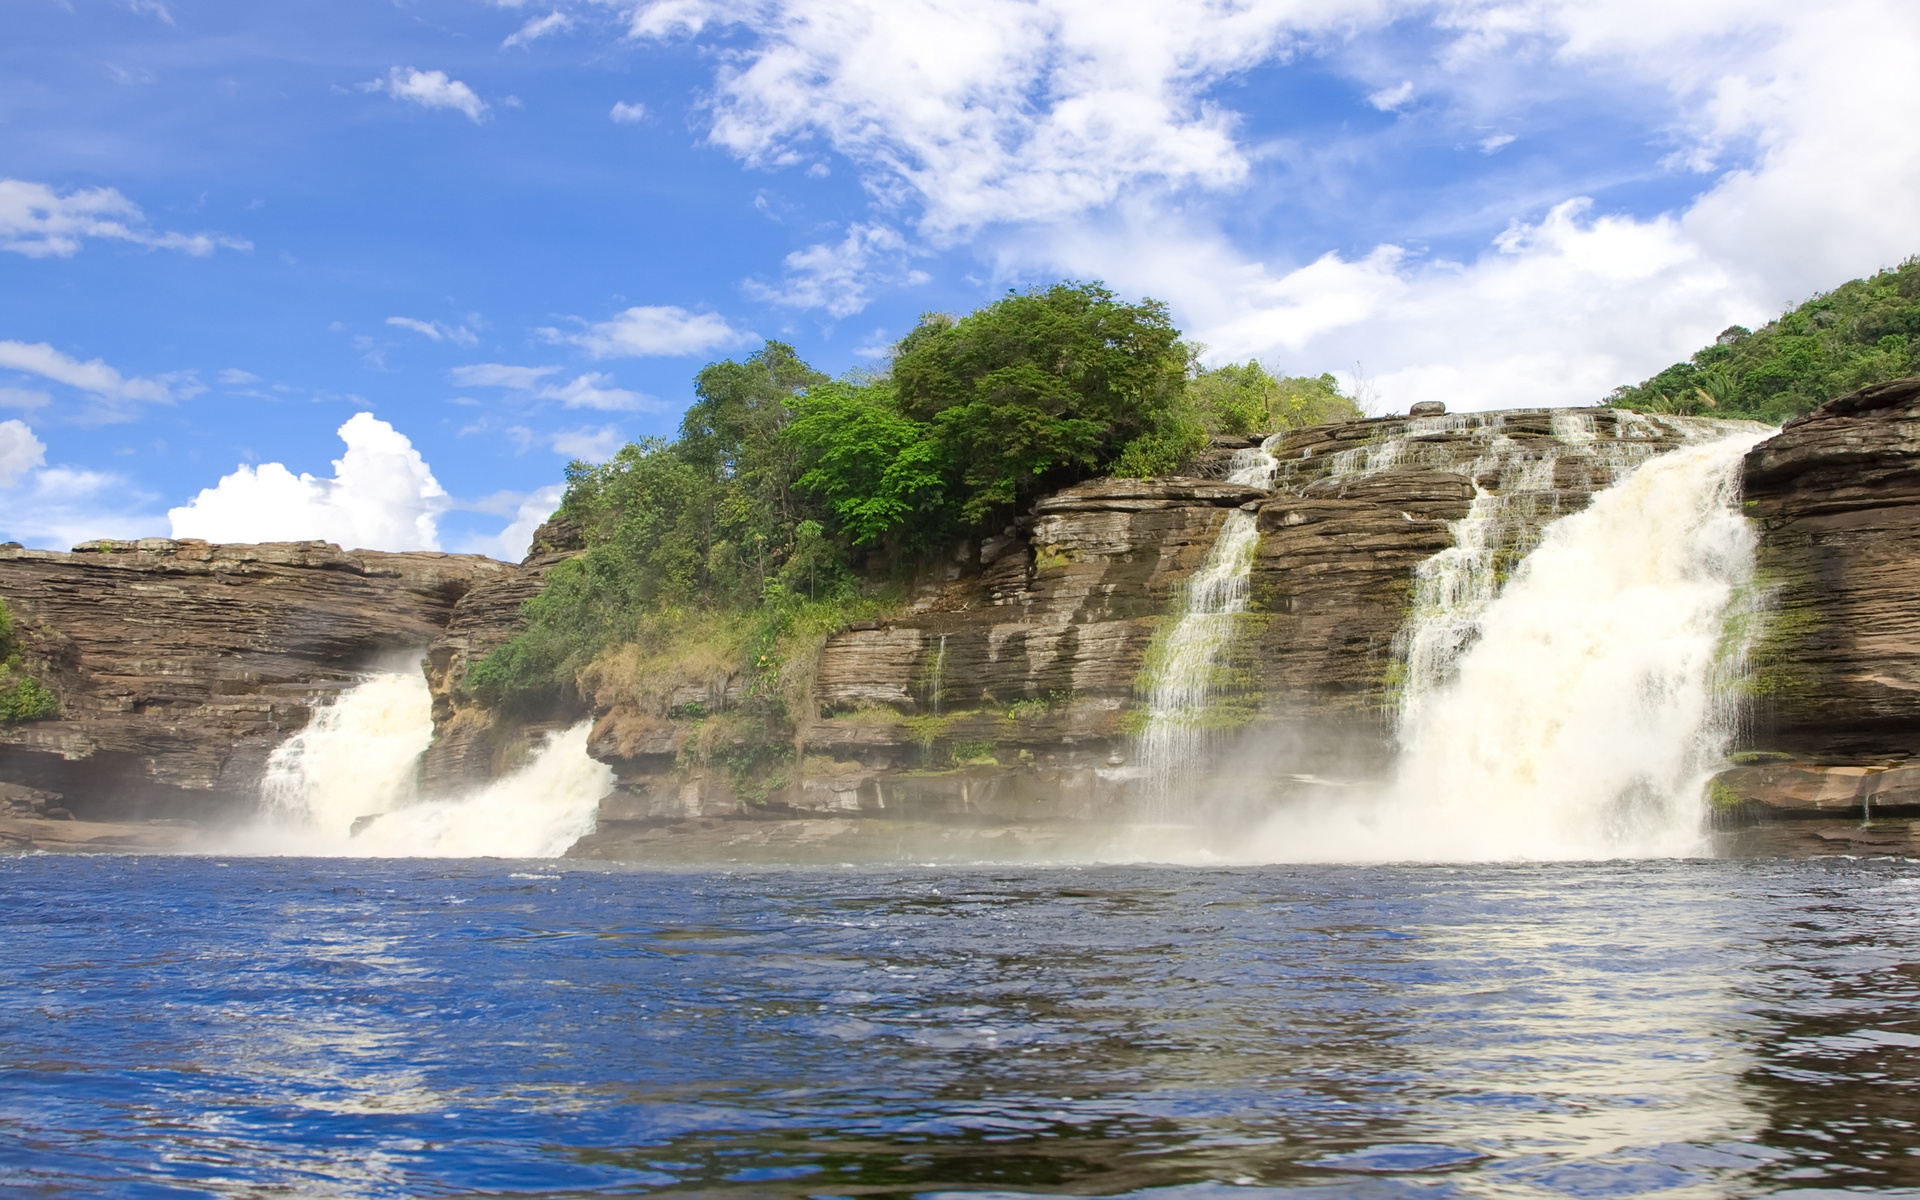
357, 1028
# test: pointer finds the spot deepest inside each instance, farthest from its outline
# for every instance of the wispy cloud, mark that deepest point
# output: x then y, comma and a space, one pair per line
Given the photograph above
652, 330
113, 392
597, 391
39, 222
628, 114
539, 27
459, 335
430, 89
842, 276
523, 379
593, 445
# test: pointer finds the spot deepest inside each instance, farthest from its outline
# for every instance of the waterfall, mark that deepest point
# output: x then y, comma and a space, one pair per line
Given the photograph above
1588, 707
937, 677
346, 785
1183, 664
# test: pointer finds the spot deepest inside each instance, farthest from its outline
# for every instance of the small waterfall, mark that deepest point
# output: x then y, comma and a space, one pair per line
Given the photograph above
358, 755
347, 785
1585, 711
1183, 664
937, 676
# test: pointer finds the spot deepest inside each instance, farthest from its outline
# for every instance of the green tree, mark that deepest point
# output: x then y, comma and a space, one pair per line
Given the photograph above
1244, 398
878, 469
1862, 332
1041, 389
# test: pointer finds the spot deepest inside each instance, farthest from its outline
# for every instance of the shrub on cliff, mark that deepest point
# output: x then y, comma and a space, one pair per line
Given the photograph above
1862, 332
22, 697
784, 489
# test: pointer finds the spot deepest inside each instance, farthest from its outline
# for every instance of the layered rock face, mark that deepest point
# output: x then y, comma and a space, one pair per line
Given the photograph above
180, 665
1010, 688
1836, 670
472, 744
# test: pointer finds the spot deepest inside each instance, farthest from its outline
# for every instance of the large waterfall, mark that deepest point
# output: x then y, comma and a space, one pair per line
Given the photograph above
346, 785
1581, 710
1183, 663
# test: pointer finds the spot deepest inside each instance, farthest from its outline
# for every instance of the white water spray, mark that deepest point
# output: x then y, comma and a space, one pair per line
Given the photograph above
347, 785
1183, 665
1590, 710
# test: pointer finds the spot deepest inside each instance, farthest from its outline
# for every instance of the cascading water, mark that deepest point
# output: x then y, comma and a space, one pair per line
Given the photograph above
347, 785
1183, 664
1589, 707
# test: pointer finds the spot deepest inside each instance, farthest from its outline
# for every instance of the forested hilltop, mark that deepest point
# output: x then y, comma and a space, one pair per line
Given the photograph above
792, 503
1863, 332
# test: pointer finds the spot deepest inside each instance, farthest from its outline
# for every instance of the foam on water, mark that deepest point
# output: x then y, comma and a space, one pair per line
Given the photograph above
348, 785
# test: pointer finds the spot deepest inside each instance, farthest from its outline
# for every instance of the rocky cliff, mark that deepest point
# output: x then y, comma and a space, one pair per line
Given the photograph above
179, 665
1836, 667
1010, 686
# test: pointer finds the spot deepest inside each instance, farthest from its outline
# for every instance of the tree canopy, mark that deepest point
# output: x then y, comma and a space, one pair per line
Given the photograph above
1862, 332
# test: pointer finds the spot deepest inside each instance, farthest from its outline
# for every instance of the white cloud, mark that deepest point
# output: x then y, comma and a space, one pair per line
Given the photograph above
1496, 143
13, 397
1390, 99
513, 542
459, 335
152, 8
1078, 138
520, 379
63, 506
597, 391
382, 496
20, 452
628, 114
235, 377
539, 27
652, 329
39, 222
430, 89
593, 445
113, 391
840, 277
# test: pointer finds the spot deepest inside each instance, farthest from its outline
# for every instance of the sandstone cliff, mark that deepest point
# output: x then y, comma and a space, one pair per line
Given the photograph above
179, 665
1010, 686
1836, 668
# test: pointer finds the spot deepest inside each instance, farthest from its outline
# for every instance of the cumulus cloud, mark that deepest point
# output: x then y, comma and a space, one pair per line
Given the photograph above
39, 222
521, 379
1063, 137
20, 452
382, 496
597, 391
430, 89
512, 542
459, 335
628, 114
840, 277
652, 330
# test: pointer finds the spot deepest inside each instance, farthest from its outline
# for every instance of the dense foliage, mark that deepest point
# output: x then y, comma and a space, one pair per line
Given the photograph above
753, 531
1862, 332
22, 697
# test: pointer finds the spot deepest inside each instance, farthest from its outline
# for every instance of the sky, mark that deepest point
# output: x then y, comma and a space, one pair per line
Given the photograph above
377, 270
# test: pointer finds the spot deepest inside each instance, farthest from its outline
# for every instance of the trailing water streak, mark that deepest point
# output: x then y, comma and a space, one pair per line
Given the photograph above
346, 785
1586, 718
1183, 663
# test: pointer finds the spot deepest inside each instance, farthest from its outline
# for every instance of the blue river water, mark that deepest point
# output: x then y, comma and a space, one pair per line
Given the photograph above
415, 1028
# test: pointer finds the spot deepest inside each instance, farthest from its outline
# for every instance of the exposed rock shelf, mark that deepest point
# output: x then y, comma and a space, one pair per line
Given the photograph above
179, 665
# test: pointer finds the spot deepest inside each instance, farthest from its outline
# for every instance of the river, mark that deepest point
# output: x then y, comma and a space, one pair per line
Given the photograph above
248, 1027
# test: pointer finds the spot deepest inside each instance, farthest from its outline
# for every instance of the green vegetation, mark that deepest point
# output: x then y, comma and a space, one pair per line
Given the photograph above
1860, 333
792, 504
22, 697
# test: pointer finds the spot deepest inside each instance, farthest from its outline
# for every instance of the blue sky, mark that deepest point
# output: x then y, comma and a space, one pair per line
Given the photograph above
511, 232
